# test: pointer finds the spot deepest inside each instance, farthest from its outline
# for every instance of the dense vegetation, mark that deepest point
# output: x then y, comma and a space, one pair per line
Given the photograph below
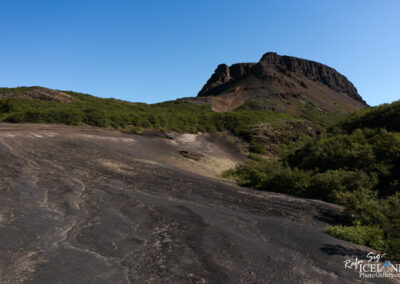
174, 115
356, 164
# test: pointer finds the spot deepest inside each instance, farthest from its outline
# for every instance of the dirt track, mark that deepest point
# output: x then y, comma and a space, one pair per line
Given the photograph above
82, 205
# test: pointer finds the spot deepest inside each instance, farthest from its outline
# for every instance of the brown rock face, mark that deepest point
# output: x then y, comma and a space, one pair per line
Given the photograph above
282, 77
224, 77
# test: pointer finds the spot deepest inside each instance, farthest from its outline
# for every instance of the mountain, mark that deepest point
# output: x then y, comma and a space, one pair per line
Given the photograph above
268, 104
85, 204
284, 83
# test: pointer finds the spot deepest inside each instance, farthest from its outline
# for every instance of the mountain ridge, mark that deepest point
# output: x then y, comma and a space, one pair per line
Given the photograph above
281, 77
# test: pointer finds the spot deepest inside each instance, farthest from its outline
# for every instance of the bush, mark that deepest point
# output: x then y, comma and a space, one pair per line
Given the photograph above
136, 130
95, 117
363, 235
257, 148
7, 106
386, 116
330, 184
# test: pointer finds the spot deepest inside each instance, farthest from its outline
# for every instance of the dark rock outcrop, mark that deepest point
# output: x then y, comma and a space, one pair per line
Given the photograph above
312, 70
285, 77
191, 155
224, 77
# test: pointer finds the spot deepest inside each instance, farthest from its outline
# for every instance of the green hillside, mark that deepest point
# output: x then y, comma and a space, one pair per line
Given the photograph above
355, 164
177, 115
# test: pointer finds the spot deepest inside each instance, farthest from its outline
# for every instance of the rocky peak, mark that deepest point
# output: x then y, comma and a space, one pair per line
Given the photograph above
270, 58
283, 74
312, 70
224, 76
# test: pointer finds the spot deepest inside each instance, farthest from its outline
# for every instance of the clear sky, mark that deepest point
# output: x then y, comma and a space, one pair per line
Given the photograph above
151, 51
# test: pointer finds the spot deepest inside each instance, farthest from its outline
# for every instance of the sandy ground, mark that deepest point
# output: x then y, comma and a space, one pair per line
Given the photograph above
84, 205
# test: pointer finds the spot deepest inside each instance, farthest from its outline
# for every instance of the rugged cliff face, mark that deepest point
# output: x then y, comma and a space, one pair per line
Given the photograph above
224, 77
281, 77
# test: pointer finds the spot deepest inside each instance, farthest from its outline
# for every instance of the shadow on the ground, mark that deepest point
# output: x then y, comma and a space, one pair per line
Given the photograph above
340, 250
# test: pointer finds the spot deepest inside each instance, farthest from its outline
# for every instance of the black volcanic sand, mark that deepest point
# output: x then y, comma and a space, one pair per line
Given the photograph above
83, 205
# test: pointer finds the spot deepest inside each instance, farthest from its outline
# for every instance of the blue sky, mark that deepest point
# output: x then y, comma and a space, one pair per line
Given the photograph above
152, 51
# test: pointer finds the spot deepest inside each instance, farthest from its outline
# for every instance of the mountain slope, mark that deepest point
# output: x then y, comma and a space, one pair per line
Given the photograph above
278, 79
86, 205
355, 164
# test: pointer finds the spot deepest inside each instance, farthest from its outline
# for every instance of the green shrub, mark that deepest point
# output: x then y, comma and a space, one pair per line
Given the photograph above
7, 106
136, 130
330, 184
95, 117
364, 235
386, 116
257, 148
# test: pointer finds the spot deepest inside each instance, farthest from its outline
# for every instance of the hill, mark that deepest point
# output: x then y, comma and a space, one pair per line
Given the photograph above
259, 129
284, 83
354, 164
89, 205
